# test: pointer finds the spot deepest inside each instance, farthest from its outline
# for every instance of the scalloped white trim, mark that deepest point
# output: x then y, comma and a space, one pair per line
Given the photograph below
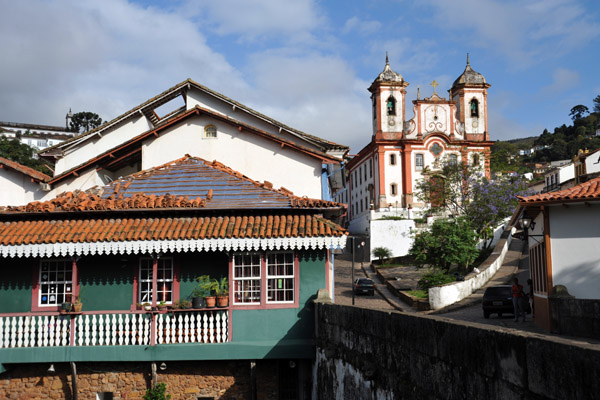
175, 246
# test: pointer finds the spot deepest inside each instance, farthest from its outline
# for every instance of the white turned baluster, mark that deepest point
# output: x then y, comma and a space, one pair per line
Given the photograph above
119, 336
81, 323
225, 320
99, 328
13, 332
46, 331
205, 328
127, 332
58, 324
219, 327
140, 329
186, 328
40, 332
212, 327
94, 330
178, 337
113, 330
20, 332
64, 332
2, 332
26, 331
147, 330
160, 328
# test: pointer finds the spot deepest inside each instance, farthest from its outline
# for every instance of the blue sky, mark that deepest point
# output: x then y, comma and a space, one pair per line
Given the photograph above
307, 63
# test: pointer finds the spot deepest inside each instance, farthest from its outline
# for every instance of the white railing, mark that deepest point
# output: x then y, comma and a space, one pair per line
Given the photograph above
118, 329
34, 331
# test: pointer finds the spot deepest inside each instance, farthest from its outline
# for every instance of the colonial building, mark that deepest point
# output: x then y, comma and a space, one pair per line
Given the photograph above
146, 238
37, 136
454, 129
20, 184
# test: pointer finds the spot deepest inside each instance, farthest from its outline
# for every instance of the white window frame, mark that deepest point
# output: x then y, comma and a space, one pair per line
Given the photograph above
210, 132
419, 156
283, 279
146, 282
246, 282
60, 288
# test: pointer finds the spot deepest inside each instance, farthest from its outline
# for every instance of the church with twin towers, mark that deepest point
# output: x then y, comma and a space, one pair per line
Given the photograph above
383, 175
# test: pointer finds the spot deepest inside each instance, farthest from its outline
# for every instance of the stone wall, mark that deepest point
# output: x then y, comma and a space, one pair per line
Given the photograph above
575, 317
126, 380
367, 354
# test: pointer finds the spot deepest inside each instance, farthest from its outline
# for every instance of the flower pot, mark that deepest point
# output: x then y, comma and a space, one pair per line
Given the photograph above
222, 301
210, 301
198, 302
77, 307
66, 306
148, 308
161, 307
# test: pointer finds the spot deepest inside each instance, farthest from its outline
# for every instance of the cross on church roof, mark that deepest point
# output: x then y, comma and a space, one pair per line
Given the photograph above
434, 84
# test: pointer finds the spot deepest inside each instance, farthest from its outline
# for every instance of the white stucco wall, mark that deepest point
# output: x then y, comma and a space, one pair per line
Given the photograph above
575, 239
84, 181
392, 234
98, 145
479, 121
256, 157
16, 189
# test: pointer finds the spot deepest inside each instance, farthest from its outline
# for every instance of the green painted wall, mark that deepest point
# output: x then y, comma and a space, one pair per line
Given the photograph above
287, 325
106, 282
15, 285
195, 264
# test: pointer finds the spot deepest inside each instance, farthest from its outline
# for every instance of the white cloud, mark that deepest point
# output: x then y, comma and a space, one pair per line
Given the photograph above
527, 32
355, 24
102, 56
562, 80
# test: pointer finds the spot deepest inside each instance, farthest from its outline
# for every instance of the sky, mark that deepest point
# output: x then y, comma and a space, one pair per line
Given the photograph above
306, 63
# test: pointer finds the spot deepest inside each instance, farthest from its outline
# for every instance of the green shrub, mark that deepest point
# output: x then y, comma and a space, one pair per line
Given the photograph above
435, 277
381, 253
158, 392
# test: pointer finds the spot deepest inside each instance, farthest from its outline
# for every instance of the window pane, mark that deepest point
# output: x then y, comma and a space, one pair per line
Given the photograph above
55, 281
280, 278
246, 278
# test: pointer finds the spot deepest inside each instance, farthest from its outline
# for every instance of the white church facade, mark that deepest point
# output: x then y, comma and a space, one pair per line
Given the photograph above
383, 175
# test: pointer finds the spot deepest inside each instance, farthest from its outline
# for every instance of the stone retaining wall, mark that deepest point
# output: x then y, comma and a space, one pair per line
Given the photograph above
575, 317
366, 354
126, 380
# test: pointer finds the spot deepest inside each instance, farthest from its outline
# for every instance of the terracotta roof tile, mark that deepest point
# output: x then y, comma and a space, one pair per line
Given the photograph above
589, 190
37, 175
117, 230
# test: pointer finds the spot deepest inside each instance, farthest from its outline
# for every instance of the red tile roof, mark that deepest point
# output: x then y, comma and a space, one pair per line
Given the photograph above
37, 175
188, 182
139, 229
587, 191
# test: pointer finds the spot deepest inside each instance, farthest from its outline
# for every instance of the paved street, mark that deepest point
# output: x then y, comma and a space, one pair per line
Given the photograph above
343, 286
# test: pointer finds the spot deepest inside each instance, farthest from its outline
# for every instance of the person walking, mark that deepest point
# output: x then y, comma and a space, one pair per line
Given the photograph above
517, 293
530, 296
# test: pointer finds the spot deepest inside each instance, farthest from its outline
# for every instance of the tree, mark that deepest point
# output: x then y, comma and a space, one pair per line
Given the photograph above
381, 253
578, 112
19, 152
158, 392
448, 242
84, 121
597, 104
464, 190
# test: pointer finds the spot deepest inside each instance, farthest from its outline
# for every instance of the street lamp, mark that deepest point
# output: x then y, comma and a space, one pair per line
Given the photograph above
526, 223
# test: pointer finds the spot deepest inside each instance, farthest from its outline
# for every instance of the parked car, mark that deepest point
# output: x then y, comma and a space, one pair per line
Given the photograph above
497, 299
364, 285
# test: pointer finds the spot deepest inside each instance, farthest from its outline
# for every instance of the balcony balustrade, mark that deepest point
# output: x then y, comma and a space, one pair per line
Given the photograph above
115, 329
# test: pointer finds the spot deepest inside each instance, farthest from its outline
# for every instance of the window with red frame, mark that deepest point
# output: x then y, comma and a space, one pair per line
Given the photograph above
164, 280
56, 282
280, 278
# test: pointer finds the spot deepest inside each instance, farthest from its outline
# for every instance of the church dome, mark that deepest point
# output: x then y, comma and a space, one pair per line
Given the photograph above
389, 75
469, 77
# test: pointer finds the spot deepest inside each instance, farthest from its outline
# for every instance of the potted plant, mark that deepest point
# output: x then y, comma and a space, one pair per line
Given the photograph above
186, 304
77, 305
138, 306
201, 291
147, 306
66, 306
161, 306
221, 288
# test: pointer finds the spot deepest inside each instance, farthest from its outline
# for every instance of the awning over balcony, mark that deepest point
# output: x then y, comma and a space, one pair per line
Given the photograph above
48, 238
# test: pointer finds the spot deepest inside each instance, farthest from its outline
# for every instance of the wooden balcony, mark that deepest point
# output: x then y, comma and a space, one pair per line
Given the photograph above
115, 329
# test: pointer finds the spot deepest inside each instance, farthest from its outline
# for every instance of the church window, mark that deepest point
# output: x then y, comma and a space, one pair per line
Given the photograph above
436, 149
419, 162
365, 171
393, 189
453, 159
359, 175
392, 159
374, 107
391, 105
474, 108
210, 132
370, 168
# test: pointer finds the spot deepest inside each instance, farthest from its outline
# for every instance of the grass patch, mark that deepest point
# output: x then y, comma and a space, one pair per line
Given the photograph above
419, 294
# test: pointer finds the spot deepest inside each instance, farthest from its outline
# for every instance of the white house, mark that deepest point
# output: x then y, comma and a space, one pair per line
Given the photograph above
190, 118
560, 177
563, 234
19, 184
37, 136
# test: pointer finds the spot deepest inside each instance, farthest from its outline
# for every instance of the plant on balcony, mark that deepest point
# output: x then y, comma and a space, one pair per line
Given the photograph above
202, 291
147, 306
186, 304
221, 288
162, 305
158, 392
77, 304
